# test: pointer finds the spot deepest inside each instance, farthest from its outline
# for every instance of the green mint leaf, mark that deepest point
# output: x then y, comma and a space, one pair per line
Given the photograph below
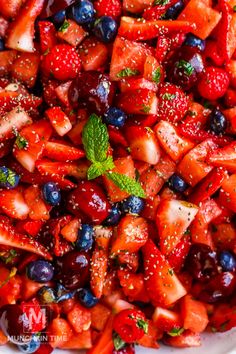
118, 342
176, 332
7, 176
11, 256
161, 2
127, 72
168, 96
126, 184
99, 168
186, 66
95, 139
156, 75
146, 109
64, 27
21, 142
143, 325
234, 8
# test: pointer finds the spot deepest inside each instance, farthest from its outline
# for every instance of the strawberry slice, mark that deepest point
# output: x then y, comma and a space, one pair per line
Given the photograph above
178, 255
136, 6
30, 144
59, 120
62, 93
10, 99
10, 8
47, 35
228, 193
70, 230
131, 235
188, 339
166, 320
163, 286
38, 209
47, 167
93, 54
13, 204
25, 68
12, 122
141, 101
132, 84
72, 34
173, 219
9, 237
224, 157
143, 144
141, 30
21, 31
59, 151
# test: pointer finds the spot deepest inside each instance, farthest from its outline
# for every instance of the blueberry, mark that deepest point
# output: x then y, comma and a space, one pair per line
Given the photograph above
46, 295
81, 12
62, 294
51, 193
177, 183
218, 122
105, 29
115, 116
133, 205
114, 215
8, 178
30, 347
86, 298
194, 41
227, 261
2, 45
173, 12
85, 238
59, 18
40, 271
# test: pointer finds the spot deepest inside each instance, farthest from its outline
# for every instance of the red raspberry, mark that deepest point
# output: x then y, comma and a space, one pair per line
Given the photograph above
108, 8
214, 83
173, 103
61, 63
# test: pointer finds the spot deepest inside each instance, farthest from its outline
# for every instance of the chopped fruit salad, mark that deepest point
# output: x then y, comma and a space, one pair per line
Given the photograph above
117, 173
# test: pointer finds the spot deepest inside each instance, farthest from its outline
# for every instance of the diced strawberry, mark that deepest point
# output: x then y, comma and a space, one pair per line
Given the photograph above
75, 134
149, 340
21, 31
58, 169
11, 8
188, 339
70, 230
47, 36
60, 151
93, 54
59, 120
127, 55
78, 341
62, 93
225, 157
174, 145
12, 122
143, 144
228, 193
153, 71
59, 330
10, 99
173, 219
13, 204
230, 98
166, 320
132, 84
104, 343
194, 314
163, 286
231, 70
9, 237
6, 59
25, 68
116, 137
150, 209
155, 12
133, 286
49, 93
31, 227
131, 235
71, 33
99, 316
230, 115
38, 210
79, 318
135, 29
29, 145
44, 349
223, 318
10, 287
111, 8
136, 6
178, 255
142, 101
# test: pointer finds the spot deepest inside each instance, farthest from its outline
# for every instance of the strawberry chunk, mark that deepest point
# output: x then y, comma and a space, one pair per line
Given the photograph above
12, 122
228, 193
79, 318
225, 157
213, 83
59, 120
47, 36
38, 209
93, 54
6, 59
108, 8
13, 204
194, 314
73, 34
25, 68
186, 340
142, 101
10, 8
59, 151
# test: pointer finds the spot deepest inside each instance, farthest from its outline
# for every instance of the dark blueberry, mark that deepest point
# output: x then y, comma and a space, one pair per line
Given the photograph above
40, 271
2, 45
85, 238
51, 193
46, 295
173, 12
132, 205
81, 12
177, 183
59, 18
8, 178
114, 215
115, 116
218, 122
194, 41
86, 298
227, 261
31, 347
105, 29
63, 294
201, 262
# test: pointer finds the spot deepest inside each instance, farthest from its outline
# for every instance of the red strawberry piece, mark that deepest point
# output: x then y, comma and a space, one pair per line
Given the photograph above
93, 54
12, 122
108, 8
173, 103
78, 341
166, 320
10, 287
9, 237
136, 6
49, 93
116, 137
149, 340
44, 349
133, 84
163, 286
153, 71
228, 193
133, 286
211, 52
225, 157
59, 151
13, 204
3, 27
129, 260
188, 339
131, 235
62, 62
73, 34
213, 83
31, 227
155, 12
173, 219
57, 330
141, 101
59, 169
70, 230
6, 59
230, 98
194, 314
21, 31
59, 120
163, 47
177, 256
11, 8
89, 199
47, 36
62, 93
38, 209
25, 68
79, 318
30, 143
143, 144
23, 100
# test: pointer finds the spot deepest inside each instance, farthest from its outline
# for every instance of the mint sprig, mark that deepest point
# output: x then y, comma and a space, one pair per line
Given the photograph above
95, 139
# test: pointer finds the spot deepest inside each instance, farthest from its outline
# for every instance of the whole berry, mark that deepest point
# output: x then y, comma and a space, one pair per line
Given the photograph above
213, 83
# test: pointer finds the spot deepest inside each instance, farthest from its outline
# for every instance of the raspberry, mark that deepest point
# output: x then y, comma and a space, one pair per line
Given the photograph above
213, 83
108, 8
173, 103
61, 63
